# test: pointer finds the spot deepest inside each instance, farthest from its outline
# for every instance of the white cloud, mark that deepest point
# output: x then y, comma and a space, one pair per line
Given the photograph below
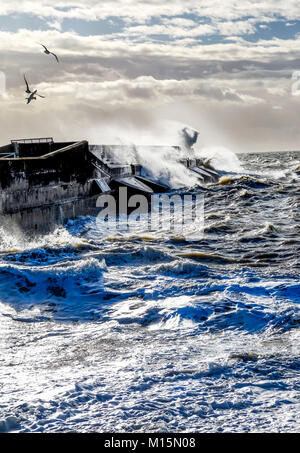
170, 30
56, 24
127, 76
145, 9
70, 44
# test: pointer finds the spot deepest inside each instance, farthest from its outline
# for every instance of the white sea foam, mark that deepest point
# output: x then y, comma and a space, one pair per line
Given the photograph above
220, 158
134, 333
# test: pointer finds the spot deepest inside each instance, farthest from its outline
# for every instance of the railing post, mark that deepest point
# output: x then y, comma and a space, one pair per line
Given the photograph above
16, 148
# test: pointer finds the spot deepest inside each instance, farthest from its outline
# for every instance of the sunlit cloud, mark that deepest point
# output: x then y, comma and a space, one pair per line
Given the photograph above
136, 59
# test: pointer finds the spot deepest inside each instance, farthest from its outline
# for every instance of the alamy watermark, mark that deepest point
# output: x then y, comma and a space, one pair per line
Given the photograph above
181, 215
2, 84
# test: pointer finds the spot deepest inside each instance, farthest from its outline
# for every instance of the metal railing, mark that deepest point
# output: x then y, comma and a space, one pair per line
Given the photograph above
33, 140
6, 155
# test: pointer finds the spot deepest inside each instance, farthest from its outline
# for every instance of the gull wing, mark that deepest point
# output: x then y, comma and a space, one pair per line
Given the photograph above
55, 56
44, 47
27, 86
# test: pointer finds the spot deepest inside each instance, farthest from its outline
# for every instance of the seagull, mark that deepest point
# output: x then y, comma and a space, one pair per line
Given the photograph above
31, 93
31, 97
47, 52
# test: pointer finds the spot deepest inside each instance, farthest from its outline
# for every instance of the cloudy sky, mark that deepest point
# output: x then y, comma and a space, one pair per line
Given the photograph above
133, 70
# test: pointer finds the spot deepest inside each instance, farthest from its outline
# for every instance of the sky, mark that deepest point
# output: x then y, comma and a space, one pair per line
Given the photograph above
134, 71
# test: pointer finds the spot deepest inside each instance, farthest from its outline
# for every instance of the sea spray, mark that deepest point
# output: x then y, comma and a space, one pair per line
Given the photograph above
158, 150
220, 158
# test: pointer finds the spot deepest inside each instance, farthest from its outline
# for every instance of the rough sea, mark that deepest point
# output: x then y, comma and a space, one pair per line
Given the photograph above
153, 332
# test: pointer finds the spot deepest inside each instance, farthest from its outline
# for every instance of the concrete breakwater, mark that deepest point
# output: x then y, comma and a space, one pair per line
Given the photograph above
46, 183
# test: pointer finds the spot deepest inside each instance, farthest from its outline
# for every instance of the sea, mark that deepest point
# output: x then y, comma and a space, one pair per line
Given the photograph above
156, 331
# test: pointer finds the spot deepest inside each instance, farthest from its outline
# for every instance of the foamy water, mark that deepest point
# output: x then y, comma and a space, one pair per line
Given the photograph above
150, 331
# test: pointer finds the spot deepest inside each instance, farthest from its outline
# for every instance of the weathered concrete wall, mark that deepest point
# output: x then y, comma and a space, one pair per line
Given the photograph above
47, 218
40, 181
73, 165
12, 201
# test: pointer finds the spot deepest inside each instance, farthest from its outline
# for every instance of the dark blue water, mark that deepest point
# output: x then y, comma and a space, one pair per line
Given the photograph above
151, 331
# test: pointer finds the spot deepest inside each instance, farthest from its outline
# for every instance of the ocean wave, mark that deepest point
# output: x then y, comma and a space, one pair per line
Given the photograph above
245, 180
68, 290
150, 331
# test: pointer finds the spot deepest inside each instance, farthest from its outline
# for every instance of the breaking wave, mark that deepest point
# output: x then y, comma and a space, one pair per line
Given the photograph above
153, 332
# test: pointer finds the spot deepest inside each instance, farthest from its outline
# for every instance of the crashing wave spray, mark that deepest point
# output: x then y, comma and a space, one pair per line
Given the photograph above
220, 158
160, 149
159, 154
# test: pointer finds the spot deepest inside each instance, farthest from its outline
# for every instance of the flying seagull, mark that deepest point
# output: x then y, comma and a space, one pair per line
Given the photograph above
31, 97
32, 94
47, 52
